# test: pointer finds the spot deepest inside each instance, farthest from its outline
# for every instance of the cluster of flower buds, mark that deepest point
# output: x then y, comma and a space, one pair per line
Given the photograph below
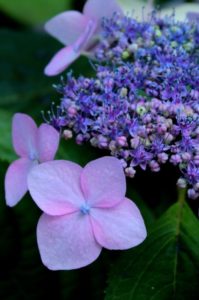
143, 103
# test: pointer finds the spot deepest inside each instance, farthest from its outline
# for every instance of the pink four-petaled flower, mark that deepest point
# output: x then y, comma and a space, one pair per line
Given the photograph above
85, 209
78, 32
33, 145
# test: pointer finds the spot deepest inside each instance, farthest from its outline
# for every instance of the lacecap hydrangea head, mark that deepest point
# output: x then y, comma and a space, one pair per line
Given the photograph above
142, 104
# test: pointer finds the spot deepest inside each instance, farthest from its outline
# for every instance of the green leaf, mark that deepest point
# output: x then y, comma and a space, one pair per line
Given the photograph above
7, 152
80, 154
23, 56
165, 266
146, 212
34, 11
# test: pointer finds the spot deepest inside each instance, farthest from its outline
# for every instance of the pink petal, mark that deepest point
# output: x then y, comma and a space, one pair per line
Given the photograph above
67, 26
55, 187
97, 9
85, 41
66, 242
103, 182
48, 142
16, 180
120, 227
61, 61
24, 132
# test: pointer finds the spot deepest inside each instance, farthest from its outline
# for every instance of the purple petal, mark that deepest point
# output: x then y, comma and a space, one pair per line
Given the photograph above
61, 61
67, 26
193, 16
120, 227
16, 180
55, 187
66, 242
24, 131
48, 142
103, 182
97, 9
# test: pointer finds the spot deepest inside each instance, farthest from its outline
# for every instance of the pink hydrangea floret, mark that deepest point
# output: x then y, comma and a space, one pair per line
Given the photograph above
33, 145
85, 210
78, 32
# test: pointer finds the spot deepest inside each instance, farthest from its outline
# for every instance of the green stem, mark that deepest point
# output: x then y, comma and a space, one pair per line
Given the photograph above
182, 195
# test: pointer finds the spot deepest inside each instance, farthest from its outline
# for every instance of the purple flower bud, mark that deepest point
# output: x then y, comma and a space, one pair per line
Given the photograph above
124, 163
162, 158
196, 187
192, 194
130, 172
135, 142
194, 94
72, 111
161, 128
186, 156
94, 141
112, 146
155, 167
196, 160
102, 142
168, 137
79, 139
121, 141
175, 159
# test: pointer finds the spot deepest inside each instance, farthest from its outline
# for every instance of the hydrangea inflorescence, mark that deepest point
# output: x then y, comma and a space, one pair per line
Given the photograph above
143, 103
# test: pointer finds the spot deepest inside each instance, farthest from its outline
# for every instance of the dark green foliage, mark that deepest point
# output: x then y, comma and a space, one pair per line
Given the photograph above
165, 266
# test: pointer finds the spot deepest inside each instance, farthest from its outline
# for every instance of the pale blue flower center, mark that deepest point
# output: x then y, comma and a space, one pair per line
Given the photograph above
85, 209
33, 155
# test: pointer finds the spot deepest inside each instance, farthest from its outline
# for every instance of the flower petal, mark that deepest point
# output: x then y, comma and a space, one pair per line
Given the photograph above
181, 10
55, 187
66, 242
193, 16
120, 227
16, 180
48, 142
24, 131
103, 182
61, 61
97, 9
67, 26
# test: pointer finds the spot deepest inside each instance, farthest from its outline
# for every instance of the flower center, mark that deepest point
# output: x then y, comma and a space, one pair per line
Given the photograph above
85, 209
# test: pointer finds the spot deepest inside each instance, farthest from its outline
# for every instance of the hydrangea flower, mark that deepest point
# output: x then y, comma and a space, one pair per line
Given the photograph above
33, 145
78, 32
85, 209
142, 105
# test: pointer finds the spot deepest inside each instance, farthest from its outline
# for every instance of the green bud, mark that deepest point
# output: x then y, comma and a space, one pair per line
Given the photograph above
174, 44
158, 33
123, 92
141, 110
125, 55
188, 46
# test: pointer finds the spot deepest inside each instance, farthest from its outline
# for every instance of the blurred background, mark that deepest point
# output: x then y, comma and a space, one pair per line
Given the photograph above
24, 52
